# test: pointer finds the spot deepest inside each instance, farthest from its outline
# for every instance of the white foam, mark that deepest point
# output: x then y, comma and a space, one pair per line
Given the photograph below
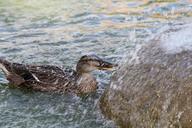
175, 42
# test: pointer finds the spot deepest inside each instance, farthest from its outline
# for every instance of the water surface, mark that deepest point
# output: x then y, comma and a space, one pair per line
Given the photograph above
59, 32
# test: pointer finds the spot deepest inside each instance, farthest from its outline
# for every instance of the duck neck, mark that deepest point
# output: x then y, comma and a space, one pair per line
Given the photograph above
82, 73
86, 83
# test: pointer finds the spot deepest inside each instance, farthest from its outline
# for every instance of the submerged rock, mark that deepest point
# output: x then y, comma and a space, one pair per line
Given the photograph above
153, 88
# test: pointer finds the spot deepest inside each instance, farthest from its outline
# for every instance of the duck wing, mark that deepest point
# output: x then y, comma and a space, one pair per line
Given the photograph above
51, 78
38, 76
50, 74
15, 73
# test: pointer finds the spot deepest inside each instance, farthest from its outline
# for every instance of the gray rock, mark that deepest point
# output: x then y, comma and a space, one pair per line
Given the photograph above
153, 88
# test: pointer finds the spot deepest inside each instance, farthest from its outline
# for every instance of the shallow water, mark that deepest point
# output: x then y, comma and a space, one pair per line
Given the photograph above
59, 32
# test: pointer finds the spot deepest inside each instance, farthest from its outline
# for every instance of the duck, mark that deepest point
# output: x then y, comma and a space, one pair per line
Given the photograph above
50, 78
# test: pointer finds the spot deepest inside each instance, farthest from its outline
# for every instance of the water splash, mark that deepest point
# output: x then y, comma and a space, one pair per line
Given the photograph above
175, 42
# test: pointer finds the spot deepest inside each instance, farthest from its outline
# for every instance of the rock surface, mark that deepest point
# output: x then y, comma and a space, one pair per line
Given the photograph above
153, 88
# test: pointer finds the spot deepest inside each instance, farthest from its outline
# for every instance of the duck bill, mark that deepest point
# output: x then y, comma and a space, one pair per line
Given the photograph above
106, 65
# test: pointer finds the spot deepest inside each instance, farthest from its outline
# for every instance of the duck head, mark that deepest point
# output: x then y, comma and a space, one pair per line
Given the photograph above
88, 63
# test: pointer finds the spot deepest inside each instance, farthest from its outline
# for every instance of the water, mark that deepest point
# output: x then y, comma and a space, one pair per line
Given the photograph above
59, 32
178, 41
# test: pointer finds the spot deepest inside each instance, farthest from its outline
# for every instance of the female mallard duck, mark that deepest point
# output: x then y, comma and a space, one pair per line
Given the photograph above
54, 79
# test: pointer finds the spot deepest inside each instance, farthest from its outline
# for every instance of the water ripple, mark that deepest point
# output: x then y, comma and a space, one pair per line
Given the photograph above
60, 32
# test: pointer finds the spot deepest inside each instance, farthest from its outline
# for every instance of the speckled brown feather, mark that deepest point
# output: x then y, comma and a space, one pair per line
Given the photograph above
41, 77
